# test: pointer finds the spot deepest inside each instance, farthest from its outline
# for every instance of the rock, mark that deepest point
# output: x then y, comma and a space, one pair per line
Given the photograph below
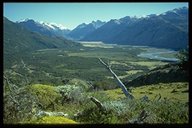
44, 113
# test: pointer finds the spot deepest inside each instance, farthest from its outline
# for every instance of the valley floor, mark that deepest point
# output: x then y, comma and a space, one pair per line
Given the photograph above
63, 81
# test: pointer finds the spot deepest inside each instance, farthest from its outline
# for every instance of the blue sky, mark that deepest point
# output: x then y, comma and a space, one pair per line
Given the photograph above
72, 14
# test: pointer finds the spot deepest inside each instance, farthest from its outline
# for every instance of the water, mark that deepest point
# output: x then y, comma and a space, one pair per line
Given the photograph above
151, 53
157, 56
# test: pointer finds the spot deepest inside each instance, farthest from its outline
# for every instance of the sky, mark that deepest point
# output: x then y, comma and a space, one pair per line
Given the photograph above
71, 15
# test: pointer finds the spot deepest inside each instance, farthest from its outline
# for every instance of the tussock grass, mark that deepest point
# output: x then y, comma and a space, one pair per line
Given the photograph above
152, 91
53, 120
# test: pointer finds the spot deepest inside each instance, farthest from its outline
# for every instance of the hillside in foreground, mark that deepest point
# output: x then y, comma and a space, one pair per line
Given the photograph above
158, 103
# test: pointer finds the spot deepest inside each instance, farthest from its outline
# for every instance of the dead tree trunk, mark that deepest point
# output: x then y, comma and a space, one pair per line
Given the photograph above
120, 83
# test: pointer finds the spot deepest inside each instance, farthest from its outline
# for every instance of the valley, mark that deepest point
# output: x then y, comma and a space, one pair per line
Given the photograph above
80, 72
69, 67
59, 64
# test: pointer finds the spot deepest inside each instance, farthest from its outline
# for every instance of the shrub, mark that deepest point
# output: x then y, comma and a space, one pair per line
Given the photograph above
78, 82
71, 93
47, 95
127, 111
183, 56
18, 106
95, 116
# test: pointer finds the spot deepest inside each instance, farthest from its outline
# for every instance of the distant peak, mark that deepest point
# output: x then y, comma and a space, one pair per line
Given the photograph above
81, 25
116, 21
184, 7
97, 21
47, 25
25, 20
179, 9
176, 10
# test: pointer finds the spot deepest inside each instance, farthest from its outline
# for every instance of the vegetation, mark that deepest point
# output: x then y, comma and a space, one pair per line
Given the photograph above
130, 111
163, 74
183, 56
47, 95
53, 120
57, 66
165, 103
170, 108
62, 81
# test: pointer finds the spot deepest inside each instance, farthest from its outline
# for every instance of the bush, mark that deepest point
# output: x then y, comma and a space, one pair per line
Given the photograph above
47, 95
18, 106
95, 116
183, 56
71, 93
131, 111
78, 82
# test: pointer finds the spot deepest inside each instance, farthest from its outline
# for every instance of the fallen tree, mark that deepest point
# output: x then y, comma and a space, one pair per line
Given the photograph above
120, 83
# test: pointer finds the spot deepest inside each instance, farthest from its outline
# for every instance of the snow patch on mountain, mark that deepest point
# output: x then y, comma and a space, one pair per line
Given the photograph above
53, 26
97, 24
46, 25
24, 20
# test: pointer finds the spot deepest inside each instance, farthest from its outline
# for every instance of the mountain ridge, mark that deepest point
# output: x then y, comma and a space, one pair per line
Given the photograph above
83, 29
18, 39
166, 30
50, 29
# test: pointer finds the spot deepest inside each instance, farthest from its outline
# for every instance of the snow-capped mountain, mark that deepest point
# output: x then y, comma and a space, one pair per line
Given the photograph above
83, 29
110, 29
53, 26
97, 24
81, 26
50, 29
166, 30
177, 11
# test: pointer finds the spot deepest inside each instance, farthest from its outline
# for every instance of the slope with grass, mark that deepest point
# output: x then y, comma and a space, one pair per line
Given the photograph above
164, 74
166, 103
176, 91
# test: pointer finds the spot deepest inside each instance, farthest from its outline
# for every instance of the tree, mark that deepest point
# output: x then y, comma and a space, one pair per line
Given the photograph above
183, 56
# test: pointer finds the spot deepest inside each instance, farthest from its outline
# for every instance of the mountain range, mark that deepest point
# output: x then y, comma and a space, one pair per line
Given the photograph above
18, 39
84, 29
44, 28
166, 30
52, 30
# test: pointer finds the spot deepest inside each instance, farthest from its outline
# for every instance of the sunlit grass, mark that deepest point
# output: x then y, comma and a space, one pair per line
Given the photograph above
149, 64
172, 91
129, 73
53, 120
